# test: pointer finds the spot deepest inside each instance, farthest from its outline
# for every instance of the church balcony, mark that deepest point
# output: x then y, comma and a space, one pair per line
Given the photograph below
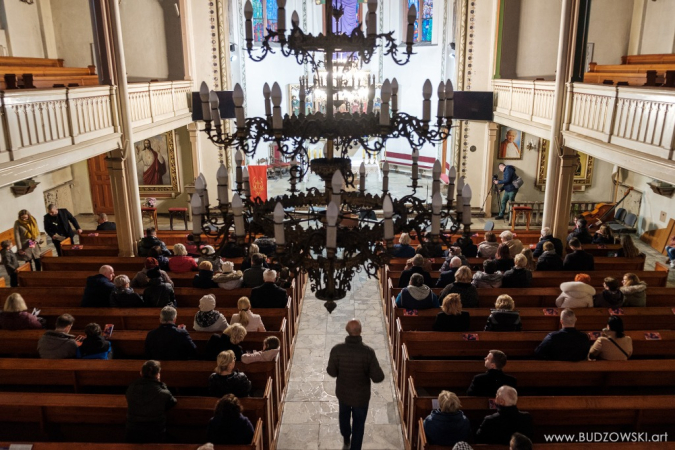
525, 105
45, 129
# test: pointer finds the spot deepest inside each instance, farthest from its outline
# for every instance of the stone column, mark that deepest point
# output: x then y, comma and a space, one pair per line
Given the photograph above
565, 182
120, 197
488, 159
564, 57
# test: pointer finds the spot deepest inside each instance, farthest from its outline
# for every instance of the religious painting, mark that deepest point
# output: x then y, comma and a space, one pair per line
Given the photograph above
583, 175
156, 167
510, 143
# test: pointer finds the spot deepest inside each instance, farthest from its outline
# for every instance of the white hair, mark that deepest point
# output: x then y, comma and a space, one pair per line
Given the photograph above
455, 261
506, 235
545, 231
168, 314
270, 276
508, 395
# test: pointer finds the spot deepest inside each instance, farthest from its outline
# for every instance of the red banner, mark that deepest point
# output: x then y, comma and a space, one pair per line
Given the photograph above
257, 180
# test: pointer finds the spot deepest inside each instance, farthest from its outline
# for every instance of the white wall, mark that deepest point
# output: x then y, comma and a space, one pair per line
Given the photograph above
609, 29
658, 33
23, 29
144, 37
652, 204
537, 38
81, 190
73, 37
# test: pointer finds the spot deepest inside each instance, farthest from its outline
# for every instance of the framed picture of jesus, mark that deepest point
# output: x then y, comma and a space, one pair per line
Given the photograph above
156, 165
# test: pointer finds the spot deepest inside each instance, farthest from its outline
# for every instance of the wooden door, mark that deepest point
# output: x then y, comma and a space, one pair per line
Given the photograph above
99, 180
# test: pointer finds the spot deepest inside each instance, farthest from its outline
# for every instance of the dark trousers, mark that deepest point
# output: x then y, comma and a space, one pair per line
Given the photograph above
57, 245
353, 423
149, 435
13, 278
37, 264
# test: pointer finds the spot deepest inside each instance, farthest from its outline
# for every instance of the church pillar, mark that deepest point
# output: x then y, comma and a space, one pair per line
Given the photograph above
128, 153
565, 182
551, 193
120, 198
489, 157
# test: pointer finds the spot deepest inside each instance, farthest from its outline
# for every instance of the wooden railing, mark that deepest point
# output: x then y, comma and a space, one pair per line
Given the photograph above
538, 211
529, 100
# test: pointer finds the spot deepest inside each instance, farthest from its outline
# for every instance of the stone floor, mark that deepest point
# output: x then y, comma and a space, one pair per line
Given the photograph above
310, 419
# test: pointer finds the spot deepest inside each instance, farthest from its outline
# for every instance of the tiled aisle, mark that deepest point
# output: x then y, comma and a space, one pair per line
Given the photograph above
310, 418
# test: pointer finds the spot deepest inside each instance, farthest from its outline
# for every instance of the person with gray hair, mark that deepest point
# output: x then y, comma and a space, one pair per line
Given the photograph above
447, 425
169, 342
269, 295
448, 276
355, 365
546, 236
417, 267
98, 288
103, 224
499, 427
566, 344
515, 245
123, 296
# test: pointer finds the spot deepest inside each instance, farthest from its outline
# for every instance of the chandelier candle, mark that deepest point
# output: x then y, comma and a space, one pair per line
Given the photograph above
449, 99
362, 178
410, 32
436, 186
281, 19
331, 230
336, 184
239, 160
238, 100
394, 96
385, 178
215, 112
223, 190
388, 212
452, 175
277, 122
460, 201
441, 101
466, 210
384, 110
238, 210
415, 166
247, 187
248, 14
279, 236
372, 18
426, 103
268, 103
204, 97
196, 207
436, 204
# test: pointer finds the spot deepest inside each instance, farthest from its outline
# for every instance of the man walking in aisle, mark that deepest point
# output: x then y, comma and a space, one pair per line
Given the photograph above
355, 365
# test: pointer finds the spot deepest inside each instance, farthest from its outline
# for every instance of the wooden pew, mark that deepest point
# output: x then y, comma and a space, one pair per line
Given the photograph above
99, 417
656, 58
26, 61
109, 238
94, 263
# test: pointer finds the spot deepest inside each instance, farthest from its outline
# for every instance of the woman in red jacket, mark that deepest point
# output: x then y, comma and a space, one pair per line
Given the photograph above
15, 315
181, 262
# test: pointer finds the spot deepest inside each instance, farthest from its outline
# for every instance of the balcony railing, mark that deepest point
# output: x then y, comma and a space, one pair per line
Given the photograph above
529, 100
538, 211
40, 120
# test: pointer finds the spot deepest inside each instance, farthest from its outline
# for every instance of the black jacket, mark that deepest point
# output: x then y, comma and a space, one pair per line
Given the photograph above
504, 264
60, 224
97, 292
94, 345
106, 226
446, 322
125, 298
579, 261
406, 274
499, 427
486, 384
517, 278
146, 243
204, 280
568, 344
467, 292
220, 343
508, 179
549, 261
600, 239
501, 320
148, 401
582, 234
269, 295
608, 299
355, 365
169, 343
253, 277
446, 278
230, 431
159, 294
557, 244
235, 383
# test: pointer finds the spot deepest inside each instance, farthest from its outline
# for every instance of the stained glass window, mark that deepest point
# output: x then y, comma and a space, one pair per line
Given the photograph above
264, 17
425, 19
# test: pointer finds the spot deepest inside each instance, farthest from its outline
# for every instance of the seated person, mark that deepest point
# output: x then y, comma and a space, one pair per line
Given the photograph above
578, 260
94, 345
628, 248
229, 340
98, 289
268, 295
463, 287
270, 350
519, 276
547, 236
452, 318
226, 380
613, 345
611, 296
247, 263
448, 276
634, 291
580, 231
158, 294
266, 245
453, 252
566, 344
520, 442
141, 278
208, 253
229, 426
168, 342
428, 261
417, 295
250, 321
504, 259
469, 249
156, 252
59, 344
284, 278
123, 296
486, 384
504, 317
670, 251
499, 427
150, 240
417, 267
229, 279
15, 315
191, 247
207, 318
603, 236
549, 260
204, 279
10, 260
515, 245
531, 263
103, 224
403, 248
447, 425
576, 294
253, 277
181, 262
488, 248
490, 277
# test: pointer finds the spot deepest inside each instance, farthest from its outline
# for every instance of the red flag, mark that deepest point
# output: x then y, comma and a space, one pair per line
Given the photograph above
257, 180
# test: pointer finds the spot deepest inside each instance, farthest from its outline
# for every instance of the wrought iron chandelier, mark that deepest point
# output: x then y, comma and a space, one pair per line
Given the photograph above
333, 234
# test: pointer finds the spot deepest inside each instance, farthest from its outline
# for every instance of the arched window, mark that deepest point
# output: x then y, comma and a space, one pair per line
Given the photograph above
425, 18
264, 17
353, 15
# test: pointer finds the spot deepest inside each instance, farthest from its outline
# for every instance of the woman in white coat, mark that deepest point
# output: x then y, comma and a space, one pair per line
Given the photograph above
576, 294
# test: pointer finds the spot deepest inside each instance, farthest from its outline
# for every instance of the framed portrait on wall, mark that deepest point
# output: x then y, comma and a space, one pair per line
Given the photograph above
583, 175
510, 143
156, 167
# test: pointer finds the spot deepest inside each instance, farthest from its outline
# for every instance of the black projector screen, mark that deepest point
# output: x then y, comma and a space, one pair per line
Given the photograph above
473, 106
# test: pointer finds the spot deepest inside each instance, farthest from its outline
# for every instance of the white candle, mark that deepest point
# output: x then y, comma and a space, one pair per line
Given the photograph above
436, 185
223, 190
204, 97
372, 18
277, 121
466, 212
436, 203
248, 14
362, 177
238, 100
449, 99
415, 165
331, 230
441, 100
384, 109
279, 236
238, 208
426, 103
268, 104
388, 211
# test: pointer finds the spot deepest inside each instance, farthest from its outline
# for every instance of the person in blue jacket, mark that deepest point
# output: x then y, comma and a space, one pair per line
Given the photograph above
447, 425
507, 188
